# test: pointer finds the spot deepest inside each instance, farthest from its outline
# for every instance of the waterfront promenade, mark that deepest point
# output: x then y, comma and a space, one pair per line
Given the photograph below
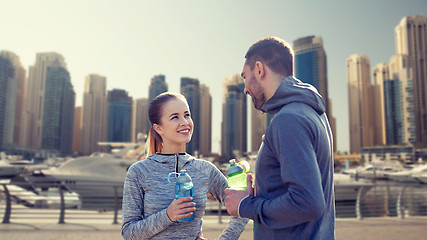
102, 228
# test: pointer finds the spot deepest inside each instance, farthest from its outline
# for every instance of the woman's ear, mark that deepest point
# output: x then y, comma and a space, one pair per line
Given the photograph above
157, 128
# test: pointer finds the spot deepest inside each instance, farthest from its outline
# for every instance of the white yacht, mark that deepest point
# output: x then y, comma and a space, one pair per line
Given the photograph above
97, 179
377, 170
422, 177
10, 169
408, 175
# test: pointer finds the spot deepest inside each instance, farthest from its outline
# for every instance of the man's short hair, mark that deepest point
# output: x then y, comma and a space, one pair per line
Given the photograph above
274, 52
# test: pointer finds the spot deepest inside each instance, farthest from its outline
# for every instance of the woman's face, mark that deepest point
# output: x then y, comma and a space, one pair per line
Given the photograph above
176, 125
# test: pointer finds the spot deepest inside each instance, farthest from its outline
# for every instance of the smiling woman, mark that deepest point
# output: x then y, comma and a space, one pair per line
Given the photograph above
150, 210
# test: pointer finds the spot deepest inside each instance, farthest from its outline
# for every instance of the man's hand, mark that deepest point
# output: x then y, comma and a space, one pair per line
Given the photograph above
234, 197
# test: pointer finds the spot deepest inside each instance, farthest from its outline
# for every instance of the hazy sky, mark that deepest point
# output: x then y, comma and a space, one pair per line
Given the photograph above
130, 41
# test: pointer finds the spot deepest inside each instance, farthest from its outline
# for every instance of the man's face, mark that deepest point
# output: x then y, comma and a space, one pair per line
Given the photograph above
253, 87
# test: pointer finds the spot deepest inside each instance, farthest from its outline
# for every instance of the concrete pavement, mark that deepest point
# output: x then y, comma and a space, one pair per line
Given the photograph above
103, 229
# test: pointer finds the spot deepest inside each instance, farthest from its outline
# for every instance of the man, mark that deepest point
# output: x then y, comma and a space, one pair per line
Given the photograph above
294, 170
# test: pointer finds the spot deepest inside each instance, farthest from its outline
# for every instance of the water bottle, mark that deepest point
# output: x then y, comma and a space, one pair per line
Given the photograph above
236, 176
183, 188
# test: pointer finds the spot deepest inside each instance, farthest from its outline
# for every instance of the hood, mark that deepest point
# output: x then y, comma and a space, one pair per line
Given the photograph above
293, 90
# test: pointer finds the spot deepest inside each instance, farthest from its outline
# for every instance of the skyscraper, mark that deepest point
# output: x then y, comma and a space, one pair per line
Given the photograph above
119, 116
401, 93
205, 121
158, 85
360, 103
58, 110
77, 135
234, 117
411, 40
258, 127
190, 88
7, 101
20, 78
94, 113
310, 65
380, 76
139, 118
32, 127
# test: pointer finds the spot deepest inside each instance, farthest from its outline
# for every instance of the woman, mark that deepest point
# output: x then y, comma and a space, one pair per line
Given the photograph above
150, 210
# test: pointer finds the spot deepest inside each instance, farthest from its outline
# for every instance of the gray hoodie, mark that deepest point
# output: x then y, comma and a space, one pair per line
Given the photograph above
294, 168
147, 193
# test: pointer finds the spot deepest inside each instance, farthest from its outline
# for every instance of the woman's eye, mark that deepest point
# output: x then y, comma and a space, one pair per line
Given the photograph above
187, 115
174, 117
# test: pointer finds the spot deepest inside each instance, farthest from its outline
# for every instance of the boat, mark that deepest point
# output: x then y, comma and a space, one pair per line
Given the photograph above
376, 170
409, 176
97, 179
422, 177
10, 169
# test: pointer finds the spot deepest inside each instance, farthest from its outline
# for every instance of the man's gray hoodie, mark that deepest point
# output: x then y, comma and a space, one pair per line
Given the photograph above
294, 169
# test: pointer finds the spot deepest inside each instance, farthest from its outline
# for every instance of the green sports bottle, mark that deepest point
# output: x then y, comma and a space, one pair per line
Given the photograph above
236, 176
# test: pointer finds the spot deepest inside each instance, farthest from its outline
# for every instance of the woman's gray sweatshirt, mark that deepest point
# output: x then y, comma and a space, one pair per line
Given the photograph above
147, 194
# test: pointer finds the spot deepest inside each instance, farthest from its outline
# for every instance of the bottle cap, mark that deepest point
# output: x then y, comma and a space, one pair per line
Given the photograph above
234, 167
183, 177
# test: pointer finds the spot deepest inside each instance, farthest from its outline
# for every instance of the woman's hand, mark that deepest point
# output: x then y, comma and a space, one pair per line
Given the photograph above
181, 208
201, 238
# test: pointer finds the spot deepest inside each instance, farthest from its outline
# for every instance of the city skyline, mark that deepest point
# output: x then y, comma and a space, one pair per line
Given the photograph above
130, 43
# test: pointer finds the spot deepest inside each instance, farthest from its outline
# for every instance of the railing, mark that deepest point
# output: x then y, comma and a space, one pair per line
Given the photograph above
381, 199
386, 199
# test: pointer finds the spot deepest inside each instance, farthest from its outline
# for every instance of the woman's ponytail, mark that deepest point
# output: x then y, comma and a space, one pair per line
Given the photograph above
154, 142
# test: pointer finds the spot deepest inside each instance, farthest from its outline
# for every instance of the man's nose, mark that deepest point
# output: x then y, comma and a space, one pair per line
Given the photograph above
245, 91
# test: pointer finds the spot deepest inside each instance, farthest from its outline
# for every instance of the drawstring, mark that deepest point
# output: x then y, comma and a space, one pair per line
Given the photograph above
176, 164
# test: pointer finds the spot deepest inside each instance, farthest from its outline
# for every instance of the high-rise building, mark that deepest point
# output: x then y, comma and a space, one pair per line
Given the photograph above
411, 40
310, 65
58, 110
33, 116
258, 127
400, 120
94, 114
205, 121
77, 135
20, 78
139, 118
158, 85
119, 116
190, 88
7, 101
333, 124
234, 117
380, 75
392, 112
360, 103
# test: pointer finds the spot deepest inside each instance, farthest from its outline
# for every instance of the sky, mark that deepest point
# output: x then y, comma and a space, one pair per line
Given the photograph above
130, 41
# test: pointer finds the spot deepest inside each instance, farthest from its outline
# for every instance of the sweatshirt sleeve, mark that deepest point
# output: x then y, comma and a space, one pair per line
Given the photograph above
236, 225
135, 226
291, 139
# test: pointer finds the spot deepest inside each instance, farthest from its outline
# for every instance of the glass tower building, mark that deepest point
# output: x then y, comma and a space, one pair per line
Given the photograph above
310, 64
7, 102
58, 116
119, 116
158, 85
234, 118
190, 88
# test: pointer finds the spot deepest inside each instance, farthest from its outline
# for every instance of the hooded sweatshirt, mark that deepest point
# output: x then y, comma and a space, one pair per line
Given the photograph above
294, 169
147, 194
